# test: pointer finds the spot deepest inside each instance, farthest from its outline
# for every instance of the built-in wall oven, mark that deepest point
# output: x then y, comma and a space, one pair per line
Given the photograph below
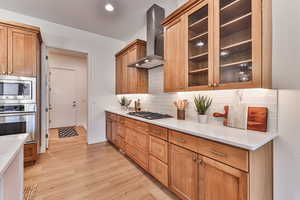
16, 90
18, 119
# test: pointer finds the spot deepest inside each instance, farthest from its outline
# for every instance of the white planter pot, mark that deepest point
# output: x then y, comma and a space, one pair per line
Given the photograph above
203, 119
124, 108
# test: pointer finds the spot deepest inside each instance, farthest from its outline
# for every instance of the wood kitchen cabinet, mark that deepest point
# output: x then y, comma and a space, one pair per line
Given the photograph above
131, 80
3, 50
174, 79
20, 46
109, 130
225, 44
183, 172
218, 181
196, 168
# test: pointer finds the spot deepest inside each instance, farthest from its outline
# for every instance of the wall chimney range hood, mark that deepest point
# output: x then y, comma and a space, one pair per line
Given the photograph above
155, 40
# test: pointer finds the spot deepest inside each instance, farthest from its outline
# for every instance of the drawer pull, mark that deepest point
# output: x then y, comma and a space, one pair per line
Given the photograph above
181, 140
218, 153
157, 132
194, 159
158, 170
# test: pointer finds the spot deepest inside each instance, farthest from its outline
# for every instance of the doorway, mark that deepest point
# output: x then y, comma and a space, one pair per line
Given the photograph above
67, 95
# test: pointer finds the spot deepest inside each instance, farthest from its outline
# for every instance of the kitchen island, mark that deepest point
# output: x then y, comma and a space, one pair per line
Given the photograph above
12, 166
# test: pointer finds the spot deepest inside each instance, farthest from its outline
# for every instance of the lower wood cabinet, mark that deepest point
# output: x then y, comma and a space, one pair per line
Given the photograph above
194, 168
218, 181
141, 157
159, 170
158, 148
109, 130
183, 172
30, 153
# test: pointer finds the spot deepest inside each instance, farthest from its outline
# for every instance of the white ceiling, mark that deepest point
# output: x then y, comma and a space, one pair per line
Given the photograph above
129, 15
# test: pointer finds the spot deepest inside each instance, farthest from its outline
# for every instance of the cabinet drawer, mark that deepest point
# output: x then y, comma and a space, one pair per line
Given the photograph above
137, 139
184, 140
111, 116
30, 152
142, 126
121, 119
130, 123
158, 148
121, 130
229, 155
158, 131
159, 170
139, 156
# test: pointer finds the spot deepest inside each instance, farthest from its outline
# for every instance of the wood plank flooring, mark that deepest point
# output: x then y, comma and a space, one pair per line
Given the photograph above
73, 170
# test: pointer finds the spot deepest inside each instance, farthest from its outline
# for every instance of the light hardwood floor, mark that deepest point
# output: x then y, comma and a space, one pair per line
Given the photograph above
73, 170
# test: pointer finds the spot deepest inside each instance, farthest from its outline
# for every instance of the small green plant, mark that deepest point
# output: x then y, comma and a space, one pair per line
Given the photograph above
202, 104
124, 101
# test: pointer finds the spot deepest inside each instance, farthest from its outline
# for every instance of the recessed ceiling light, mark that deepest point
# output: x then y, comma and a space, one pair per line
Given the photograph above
109, 7
146, 60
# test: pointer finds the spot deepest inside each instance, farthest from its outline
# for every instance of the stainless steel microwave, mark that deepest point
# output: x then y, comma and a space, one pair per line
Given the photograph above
15, 89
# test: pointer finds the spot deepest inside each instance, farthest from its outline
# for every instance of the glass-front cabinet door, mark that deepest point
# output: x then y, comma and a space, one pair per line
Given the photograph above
199, 22
237, 44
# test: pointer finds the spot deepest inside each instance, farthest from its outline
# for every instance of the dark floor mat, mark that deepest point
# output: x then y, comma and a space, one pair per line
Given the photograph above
67, 132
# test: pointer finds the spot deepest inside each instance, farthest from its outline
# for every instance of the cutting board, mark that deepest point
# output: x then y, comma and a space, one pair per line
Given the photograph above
257, 118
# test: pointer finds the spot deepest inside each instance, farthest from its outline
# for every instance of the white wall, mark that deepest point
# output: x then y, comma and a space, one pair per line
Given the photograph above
80, 65
101, 65
286, 71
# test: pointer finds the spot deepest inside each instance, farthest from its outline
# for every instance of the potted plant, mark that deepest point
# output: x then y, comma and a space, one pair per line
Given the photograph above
202, 104
124, 102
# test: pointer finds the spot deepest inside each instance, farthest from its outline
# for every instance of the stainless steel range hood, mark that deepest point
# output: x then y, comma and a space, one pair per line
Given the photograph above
155, 40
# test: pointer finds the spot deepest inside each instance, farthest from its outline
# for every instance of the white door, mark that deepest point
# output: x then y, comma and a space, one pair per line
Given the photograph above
63, 98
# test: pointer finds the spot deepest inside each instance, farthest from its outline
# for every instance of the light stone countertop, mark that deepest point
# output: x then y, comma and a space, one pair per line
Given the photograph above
246, 139
9, 147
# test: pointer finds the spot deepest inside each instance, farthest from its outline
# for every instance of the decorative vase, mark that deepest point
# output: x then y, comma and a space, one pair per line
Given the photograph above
203, 119
181, 114
124, 108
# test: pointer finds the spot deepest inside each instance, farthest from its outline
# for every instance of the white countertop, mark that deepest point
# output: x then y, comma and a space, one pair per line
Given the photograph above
250, 140
9, 147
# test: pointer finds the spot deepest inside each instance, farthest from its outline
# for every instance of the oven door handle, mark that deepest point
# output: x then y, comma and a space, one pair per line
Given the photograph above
17, 114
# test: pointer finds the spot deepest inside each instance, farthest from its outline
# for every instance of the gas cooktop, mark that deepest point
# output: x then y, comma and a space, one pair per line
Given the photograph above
150, 115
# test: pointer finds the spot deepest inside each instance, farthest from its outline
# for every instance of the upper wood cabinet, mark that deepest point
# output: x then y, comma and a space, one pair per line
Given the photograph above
131, 80
20, 46
3, 50
226, 44
174, 79
22, 52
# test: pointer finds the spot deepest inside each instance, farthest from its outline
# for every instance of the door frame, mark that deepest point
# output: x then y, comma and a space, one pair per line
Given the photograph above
45, 94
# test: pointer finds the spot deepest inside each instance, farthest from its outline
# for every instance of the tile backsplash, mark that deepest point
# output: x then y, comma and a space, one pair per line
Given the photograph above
158, 101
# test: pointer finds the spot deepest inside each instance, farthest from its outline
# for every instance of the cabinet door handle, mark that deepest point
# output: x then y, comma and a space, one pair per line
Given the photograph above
194, 159
200, 161
218, 153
